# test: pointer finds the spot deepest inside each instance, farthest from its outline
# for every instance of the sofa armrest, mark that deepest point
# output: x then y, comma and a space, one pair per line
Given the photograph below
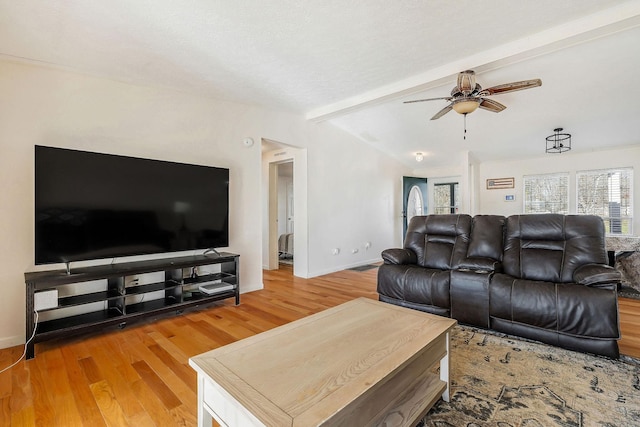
399, 256
488, 265
596, 275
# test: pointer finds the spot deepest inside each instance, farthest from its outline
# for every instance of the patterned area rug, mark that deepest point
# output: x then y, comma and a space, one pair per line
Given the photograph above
498, 381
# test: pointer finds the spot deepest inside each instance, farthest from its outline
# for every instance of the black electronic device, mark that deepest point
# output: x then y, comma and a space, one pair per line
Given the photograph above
91, 206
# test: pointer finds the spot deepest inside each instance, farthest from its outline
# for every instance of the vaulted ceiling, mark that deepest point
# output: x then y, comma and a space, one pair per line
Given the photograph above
353, 63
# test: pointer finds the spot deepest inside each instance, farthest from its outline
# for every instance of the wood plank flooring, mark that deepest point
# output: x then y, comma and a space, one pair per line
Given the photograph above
139, 376
629, 310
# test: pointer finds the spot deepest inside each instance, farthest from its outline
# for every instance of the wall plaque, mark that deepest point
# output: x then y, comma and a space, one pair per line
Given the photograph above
497, 183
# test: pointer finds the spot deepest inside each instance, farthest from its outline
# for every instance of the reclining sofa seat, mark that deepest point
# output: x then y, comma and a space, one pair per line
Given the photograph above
556, 286
417, 276
540, 276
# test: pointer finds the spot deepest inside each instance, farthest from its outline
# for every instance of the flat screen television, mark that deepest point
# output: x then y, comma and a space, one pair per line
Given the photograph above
91, 206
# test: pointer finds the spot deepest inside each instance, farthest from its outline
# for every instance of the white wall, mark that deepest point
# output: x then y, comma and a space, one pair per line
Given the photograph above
353, 190
356, 197
492, 201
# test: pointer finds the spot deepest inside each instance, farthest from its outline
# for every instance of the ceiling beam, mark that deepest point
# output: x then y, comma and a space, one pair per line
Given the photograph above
608, 21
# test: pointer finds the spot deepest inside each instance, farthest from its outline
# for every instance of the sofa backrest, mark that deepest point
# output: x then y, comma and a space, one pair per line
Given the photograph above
439, 241
550, 247
486, 237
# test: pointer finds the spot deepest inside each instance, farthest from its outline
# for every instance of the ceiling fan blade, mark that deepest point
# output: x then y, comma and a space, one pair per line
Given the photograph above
448, 98
511, 87
442, 112
491, 105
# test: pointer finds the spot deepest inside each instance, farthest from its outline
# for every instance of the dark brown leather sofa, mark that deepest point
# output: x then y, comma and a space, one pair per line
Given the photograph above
544, 277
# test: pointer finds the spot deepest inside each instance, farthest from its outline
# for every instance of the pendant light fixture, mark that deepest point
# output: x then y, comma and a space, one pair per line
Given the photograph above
558, 142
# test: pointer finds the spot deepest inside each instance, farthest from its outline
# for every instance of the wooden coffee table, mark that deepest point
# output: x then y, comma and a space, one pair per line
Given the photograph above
361, 363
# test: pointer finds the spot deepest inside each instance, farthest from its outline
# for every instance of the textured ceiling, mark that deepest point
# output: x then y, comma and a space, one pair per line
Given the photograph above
354, 62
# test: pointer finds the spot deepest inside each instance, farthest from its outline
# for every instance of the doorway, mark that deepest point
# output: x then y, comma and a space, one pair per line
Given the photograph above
285, 212
414, 200
284, 207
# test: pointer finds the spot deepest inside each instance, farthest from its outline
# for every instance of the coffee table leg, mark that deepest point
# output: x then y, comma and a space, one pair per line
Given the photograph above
204, 417
444, 370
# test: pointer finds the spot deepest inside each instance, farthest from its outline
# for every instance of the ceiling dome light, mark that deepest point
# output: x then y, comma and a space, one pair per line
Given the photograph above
419, 157
465, 106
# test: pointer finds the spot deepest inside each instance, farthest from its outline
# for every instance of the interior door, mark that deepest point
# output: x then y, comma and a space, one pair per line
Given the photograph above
290, 207
414, 199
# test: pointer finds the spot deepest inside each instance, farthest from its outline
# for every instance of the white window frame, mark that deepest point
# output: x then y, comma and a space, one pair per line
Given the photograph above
626, 215
526, 204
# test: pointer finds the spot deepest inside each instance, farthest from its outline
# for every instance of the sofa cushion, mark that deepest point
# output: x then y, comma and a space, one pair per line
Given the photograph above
486, 237
523, 301
549, 247
439, 241
565, 308
425, 286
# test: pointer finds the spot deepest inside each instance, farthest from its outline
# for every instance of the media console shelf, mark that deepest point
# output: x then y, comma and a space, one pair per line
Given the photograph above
106, 295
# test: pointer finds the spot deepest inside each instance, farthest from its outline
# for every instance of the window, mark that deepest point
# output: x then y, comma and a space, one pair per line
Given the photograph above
415, 202
446, 198
608, 194
546, 193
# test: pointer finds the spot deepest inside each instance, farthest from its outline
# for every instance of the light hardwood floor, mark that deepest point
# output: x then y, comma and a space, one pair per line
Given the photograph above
629, 326
139, 376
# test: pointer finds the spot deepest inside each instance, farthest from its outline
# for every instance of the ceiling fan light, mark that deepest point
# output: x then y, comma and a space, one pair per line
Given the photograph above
466, 107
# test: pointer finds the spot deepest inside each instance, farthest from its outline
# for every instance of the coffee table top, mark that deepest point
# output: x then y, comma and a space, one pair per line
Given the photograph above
303, 372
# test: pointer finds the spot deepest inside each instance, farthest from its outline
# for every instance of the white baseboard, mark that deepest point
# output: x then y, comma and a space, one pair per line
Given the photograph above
250, 288
7, 342
342, 267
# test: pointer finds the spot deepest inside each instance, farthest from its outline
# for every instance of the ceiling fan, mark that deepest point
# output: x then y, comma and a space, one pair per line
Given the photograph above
468, 95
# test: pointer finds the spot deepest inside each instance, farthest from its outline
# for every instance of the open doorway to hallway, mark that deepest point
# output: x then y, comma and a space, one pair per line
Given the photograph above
284, 207
285, 213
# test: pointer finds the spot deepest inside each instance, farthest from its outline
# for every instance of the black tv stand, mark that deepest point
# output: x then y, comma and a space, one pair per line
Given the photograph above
119, 302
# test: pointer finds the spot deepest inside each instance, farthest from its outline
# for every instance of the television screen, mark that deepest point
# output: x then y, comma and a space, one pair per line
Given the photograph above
91, 205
